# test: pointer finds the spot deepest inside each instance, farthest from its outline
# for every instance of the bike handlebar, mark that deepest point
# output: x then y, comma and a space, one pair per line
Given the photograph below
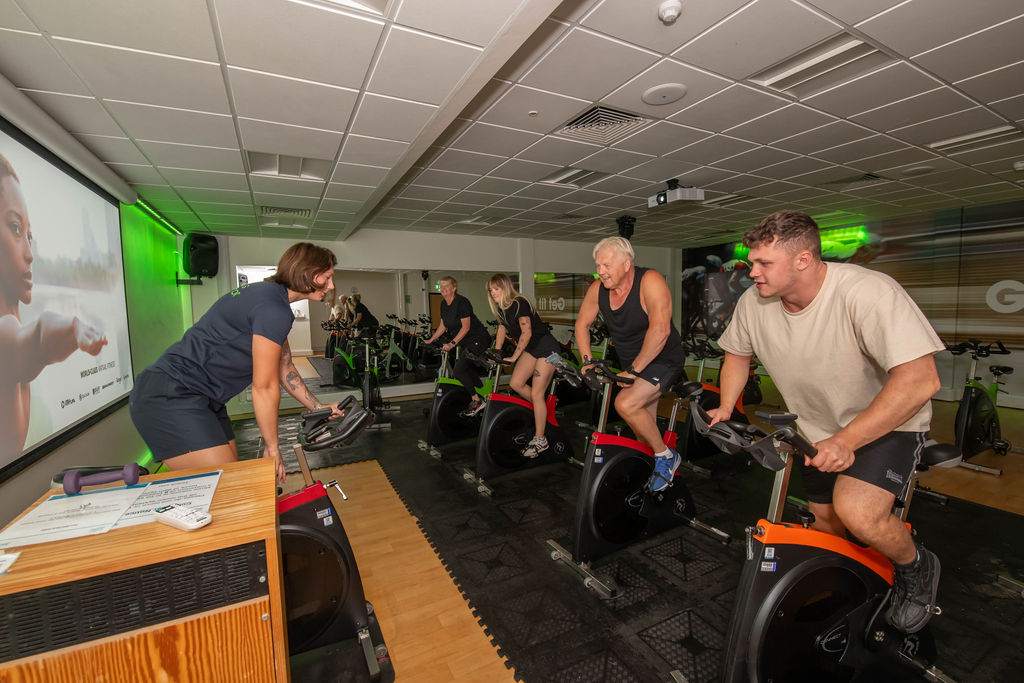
731, 436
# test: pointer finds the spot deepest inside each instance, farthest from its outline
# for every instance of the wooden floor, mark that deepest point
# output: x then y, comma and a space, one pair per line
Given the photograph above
429, 629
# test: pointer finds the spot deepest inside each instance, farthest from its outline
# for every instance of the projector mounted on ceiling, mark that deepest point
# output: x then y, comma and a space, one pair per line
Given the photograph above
675, 193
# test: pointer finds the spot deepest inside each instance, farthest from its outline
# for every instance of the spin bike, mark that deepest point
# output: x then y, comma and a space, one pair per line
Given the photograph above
395, 360
809, 606
333, 633
445, 424
506, 429
615, 507
977, 419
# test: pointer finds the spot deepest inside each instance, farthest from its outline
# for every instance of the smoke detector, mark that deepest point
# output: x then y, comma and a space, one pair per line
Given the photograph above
670, 10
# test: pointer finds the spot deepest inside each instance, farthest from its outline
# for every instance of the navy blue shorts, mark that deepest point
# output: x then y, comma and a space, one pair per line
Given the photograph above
174, 420
887, 462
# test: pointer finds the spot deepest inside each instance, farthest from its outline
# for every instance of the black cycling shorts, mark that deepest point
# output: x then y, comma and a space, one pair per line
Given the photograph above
661, 374
888, 462
543, 346
174, 420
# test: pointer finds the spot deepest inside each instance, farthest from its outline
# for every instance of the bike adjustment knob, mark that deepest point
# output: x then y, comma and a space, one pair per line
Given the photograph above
806, 518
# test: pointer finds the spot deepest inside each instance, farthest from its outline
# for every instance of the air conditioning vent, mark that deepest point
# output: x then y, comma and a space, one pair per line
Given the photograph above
284, 212
855, 182
823, 66
726, 200
602, 125
286, 166
574, 177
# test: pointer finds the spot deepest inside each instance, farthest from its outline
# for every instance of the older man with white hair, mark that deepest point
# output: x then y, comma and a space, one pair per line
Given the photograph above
636, 304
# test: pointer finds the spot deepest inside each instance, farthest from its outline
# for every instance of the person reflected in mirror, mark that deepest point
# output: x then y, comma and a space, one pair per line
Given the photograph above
177, 404
532, 375
851, 354
25, 349
636, 305
362, 319
468, 333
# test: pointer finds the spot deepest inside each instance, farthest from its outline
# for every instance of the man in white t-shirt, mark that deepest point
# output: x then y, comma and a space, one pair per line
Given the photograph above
851, 354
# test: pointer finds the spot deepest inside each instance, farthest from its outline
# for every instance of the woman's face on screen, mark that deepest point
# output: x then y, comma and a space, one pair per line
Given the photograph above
15, 244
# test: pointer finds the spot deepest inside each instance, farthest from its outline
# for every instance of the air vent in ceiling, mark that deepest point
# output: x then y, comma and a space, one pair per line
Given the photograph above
855, 182
978, 140
283, 217
602, 125
284, 212
285, 166
568, 217
475, 220
574, 177
823, 66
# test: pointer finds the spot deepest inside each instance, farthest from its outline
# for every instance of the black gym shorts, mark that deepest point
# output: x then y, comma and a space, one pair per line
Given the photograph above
543, 346
661, 374
174, 420
887, 462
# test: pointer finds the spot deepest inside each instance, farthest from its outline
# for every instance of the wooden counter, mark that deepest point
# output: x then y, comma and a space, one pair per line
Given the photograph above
134, 575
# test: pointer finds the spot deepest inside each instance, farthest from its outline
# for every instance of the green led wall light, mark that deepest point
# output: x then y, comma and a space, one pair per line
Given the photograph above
835, 242
157, 217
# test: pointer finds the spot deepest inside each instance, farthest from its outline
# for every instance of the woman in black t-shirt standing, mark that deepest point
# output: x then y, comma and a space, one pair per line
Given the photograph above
517, 318
467, 332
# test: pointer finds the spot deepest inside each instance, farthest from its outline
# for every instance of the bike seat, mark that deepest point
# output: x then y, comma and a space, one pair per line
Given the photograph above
940, 455
685, 389
999, 370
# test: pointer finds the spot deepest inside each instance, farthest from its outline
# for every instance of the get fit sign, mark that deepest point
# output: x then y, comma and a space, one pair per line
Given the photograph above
1005, 296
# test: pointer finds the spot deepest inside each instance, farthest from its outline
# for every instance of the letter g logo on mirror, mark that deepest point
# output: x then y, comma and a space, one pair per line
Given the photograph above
1005, 296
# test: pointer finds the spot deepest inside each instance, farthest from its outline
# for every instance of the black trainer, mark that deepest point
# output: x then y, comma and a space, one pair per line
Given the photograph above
913, 593
473, 409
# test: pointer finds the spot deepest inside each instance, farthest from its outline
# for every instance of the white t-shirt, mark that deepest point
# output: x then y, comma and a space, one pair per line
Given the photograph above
831, 359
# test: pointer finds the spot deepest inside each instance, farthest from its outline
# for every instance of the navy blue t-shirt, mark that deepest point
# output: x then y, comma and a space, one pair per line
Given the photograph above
214, 358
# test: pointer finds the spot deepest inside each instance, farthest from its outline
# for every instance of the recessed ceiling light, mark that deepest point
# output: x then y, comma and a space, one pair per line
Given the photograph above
1018, 165
666, 93
917, 170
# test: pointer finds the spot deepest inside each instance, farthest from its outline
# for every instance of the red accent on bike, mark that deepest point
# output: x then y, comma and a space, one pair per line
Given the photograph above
788, 534
512, 399
551, 401
612, 440
713, 388
670, 439
306, 495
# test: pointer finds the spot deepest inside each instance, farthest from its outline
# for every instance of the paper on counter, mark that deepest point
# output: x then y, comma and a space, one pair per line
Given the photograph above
61, 516
194, 491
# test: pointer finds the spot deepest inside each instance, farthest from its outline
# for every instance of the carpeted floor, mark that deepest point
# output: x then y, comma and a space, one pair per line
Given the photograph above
678, 587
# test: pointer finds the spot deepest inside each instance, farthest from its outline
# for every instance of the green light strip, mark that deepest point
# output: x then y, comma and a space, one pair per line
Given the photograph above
157, 217
853, 236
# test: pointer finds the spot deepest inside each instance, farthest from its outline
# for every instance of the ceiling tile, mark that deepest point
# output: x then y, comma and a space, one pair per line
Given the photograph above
755, 158
727, 108
488, 139
11, 16
477, 198
618, 184
29, 62
544, 191
737, 47
911, 27
287, 100
712, 149
995, 85
138, 173
226, 209
397, 119
612, 160
530, 171
1007, 151
976, 54
859, 149
174, 125
552, 150
852, 12
793, 168
134, 76
467, 20
113, 149
1012, 107
587, 65
780, 124
829, 135
200, 194
502, 186
533, 110
878, 162
621, 19
217, 180
438, 194
889, 84
264, 35
419, 67
699, 85
466, 162
355, 174
278, 138
437, 178
930, 105
660, 169
178, 28
372, 151
661, 137
192, 156
354, 193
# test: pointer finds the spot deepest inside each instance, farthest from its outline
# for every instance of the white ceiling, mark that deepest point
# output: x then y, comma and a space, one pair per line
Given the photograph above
443, 115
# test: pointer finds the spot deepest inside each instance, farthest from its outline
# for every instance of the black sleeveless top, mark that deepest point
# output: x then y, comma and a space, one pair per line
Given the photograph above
628, 325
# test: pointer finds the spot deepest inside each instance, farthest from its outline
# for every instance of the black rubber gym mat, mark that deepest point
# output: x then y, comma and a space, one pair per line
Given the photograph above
677, 588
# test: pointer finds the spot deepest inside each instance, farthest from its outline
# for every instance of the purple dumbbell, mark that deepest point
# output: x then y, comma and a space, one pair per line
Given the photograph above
75, 480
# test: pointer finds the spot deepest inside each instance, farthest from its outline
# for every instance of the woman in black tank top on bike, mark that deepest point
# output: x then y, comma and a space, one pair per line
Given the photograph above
518, 319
